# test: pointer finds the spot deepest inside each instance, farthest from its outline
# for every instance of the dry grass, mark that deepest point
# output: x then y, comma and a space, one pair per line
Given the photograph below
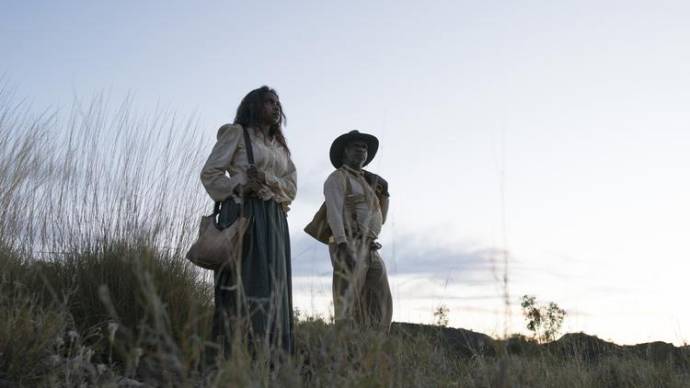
96, 209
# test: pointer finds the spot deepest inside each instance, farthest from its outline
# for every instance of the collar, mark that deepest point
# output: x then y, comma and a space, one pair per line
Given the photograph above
259, 134
352, 170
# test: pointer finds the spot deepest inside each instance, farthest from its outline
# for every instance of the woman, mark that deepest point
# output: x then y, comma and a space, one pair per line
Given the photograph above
254, 293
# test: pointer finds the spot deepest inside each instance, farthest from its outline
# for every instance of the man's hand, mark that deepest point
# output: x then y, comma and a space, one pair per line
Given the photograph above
346, 254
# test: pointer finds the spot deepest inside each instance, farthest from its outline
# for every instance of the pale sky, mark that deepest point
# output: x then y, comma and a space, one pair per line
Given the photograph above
574, 112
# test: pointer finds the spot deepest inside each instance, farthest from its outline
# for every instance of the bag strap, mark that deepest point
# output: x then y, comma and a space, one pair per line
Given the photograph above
250, 159
248, 146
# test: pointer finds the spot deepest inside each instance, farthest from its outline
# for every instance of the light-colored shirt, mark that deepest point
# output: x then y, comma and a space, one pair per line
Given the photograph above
363, 216
229, 156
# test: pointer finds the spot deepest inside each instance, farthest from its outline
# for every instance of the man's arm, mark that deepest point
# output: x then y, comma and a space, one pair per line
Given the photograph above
334, 191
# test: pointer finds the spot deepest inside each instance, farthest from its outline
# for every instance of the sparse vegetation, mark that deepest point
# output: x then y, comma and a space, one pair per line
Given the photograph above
441, 315
544, 321
95, 214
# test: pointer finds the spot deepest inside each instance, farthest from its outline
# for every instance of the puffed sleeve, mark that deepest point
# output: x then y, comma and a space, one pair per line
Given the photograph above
285, 185
218, 185
334, 191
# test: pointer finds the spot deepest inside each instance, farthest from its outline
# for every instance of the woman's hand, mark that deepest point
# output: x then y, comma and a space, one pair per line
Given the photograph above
255, 174
255, 179
252, 187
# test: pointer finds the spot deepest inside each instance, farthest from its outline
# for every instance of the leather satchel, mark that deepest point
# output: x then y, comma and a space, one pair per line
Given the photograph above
217, 244
318, 227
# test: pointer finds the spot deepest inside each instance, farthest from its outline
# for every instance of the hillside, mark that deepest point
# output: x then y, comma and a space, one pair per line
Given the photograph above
127, 316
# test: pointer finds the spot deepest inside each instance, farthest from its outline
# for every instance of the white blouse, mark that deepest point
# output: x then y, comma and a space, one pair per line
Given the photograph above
229, 155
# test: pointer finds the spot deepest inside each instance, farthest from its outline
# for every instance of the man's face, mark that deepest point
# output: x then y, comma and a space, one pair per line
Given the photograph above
270, 109
356, 153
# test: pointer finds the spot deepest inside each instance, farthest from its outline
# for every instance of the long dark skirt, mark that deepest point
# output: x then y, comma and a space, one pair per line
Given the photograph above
253, 296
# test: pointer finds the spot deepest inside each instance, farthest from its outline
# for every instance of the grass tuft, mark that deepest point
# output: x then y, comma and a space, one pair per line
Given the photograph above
96, 209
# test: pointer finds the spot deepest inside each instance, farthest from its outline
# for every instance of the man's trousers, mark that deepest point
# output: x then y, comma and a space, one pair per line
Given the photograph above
361, 295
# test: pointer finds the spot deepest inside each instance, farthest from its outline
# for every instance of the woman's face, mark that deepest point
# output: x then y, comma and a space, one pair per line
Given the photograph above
270, 109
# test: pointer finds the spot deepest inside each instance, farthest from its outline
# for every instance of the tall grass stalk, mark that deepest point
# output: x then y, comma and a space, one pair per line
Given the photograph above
96, 209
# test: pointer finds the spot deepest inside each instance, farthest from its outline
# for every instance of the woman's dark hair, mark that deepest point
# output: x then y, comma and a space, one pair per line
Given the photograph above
249, 114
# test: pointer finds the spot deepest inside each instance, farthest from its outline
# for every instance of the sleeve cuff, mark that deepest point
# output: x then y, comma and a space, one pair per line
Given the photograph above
340, 239
271, 180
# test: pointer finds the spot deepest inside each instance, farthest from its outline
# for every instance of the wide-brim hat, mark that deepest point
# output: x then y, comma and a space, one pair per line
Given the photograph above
339, 144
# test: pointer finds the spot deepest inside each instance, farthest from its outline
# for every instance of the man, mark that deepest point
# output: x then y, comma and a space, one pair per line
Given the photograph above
356, 207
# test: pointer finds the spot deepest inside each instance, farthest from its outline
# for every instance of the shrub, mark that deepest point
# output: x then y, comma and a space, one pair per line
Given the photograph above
543, 321
441, 316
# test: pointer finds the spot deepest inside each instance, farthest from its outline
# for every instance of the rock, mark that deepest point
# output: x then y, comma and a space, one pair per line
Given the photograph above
662, 352
583, 346
520, 345
461, 342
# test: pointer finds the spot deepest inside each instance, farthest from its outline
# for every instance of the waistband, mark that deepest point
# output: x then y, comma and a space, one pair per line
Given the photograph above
372, 242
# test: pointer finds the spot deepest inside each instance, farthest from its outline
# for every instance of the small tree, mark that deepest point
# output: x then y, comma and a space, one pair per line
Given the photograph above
543, 321
441, 315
